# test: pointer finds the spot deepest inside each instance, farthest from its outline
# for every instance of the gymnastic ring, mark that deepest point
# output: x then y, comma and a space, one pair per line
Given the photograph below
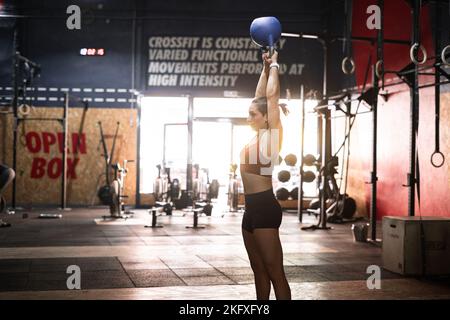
377, 68
344, 63
24, 109
411, 54
434, 162
443, 55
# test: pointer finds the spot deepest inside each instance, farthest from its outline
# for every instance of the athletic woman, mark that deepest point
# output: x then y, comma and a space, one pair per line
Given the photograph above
262, 217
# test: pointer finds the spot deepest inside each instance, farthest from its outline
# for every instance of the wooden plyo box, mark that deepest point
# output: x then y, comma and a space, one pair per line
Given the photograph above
414, 246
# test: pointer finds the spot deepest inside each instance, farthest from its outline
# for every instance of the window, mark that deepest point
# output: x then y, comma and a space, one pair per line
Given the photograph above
220, 132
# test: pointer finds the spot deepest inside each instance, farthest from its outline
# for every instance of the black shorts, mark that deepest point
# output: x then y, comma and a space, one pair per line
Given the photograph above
262, 210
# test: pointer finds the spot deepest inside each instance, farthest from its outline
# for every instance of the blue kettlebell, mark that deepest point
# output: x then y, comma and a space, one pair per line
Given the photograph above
265, 31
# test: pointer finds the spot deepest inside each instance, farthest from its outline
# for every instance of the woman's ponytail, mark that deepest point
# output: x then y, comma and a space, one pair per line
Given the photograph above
284, 108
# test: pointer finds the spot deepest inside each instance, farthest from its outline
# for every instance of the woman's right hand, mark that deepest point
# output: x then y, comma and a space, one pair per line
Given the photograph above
268, 60
274, 56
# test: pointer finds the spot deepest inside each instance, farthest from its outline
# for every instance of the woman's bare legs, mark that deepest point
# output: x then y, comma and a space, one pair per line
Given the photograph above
266, 259
262, 280
270, 250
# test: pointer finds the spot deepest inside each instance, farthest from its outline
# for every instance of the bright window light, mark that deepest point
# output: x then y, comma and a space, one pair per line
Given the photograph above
155, 112
217, 140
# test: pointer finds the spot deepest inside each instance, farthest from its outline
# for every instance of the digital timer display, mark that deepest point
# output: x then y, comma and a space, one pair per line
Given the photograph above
92, 52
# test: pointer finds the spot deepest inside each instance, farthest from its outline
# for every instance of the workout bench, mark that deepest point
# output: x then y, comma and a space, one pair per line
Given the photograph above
196, 212
154, 212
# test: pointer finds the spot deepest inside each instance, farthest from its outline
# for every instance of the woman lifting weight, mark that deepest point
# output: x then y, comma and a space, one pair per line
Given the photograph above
262, 217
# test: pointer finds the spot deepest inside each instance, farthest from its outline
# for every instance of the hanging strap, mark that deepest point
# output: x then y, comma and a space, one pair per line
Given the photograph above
437, 157
417, 185
417, 176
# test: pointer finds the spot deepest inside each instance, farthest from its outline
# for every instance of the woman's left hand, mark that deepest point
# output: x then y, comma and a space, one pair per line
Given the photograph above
266, 59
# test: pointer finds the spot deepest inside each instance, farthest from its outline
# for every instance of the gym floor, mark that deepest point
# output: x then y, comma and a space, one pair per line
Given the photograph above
124, 260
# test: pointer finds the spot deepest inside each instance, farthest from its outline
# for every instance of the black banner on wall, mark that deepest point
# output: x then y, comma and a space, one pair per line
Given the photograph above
221, 65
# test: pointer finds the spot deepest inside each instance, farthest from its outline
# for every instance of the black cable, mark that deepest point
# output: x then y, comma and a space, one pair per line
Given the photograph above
354, 116
342, 167
351, 125
346, 49
346, 169
347, 136
35, 85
